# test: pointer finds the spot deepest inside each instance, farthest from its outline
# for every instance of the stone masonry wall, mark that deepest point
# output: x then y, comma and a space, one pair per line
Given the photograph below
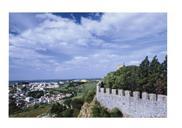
149, 105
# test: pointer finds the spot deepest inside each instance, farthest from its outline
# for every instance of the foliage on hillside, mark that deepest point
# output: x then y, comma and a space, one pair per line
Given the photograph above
89, 92
71, 107
94, 109
34, 111
100, 111
148, 76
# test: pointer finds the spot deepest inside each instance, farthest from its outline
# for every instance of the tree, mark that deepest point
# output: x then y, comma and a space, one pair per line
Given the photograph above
13, 108
143, 74
88, 97
67, 102
154, 75
161, 82
76, 112
131, 77
125, 78
164, 68
155, 66
148, 76
104, 112
96, 111
67, 113
109, 80
99, 111
164, 65
77, 103
144, 68
118, 82
57, 109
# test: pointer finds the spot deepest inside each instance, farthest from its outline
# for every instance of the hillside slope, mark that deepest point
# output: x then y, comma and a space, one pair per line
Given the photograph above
86, 110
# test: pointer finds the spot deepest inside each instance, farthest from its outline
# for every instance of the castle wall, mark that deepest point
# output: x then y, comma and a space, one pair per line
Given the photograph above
149, 105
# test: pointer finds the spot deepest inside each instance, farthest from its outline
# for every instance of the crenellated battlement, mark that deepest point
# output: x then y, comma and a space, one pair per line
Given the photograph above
135, 94
133, 104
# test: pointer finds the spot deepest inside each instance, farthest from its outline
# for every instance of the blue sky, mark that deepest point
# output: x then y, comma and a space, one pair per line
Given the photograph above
82, 45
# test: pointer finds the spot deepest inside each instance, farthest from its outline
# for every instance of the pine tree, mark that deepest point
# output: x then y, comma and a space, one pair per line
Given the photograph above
154, 76
155, 66
144, 68
148, 76
164, 66
143, 74
161, 83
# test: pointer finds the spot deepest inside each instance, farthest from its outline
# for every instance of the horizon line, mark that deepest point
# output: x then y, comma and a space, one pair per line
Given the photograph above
55, 79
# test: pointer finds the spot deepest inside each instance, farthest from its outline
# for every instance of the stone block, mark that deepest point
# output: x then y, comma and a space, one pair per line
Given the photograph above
113, 91
136, 95
120, 92
152, 97
145, 96
127, 93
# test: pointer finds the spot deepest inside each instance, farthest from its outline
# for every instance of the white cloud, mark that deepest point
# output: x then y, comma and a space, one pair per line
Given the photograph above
126, 26
60, 45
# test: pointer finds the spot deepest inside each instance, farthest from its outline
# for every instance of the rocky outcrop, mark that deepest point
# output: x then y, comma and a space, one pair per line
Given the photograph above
86, 110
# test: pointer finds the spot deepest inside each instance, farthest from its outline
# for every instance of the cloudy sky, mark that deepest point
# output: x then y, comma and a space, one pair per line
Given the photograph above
82, 45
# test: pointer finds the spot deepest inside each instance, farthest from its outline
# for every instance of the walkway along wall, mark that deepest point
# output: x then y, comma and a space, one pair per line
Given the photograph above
130, 103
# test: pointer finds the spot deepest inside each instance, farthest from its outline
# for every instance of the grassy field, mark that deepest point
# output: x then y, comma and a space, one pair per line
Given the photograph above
33, 112
84, 88
78, 90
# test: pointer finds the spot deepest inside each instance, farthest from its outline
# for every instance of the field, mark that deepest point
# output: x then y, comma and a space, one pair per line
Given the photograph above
34, 111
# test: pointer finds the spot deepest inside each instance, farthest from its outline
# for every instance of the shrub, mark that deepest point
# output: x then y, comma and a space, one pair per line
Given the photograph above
36, 106
13, 108
150, 76
104, 112
116, 113
88, 97
96, 111
67, 113
76, 112
99, 111
57, 109
77, 103
67, 102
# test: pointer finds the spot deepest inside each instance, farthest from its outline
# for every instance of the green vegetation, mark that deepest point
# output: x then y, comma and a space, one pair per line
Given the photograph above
76, 103
116, 113
57, 109
77, 89
84, 88
88, 96
99, 111
63, 89
148, 76
33, 111
89, 92
71, 107
13, 108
